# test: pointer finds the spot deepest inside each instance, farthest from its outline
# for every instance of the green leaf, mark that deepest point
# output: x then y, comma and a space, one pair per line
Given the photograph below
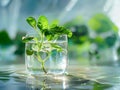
57, 47
110, 40
42, 23
54, 23
98, 86
118, 50
49, 37
31, 21
102, 23
69, 33
26, 39
60, 30
29, 52
5, 40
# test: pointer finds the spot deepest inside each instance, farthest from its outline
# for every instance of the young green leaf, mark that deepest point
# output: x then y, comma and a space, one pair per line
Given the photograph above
69, 33
54, 23
31, 21
42, 23
26, 39
49, 35
59, 30
29, 52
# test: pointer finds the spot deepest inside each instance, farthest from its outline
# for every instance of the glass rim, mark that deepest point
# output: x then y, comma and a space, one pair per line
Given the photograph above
63, 37
38, 34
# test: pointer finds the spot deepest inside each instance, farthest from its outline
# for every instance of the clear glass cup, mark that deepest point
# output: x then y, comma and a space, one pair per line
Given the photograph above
50, 59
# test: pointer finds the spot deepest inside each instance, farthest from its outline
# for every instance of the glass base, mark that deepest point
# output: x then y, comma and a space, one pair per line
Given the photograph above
36, 71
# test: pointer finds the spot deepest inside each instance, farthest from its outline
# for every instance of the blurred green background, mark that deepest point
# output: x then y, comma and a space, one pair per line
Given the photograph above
95, 39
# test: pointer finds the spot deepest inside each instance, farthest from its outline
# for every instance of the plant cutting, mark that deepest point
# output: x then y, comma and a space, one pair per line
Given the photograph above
45, 46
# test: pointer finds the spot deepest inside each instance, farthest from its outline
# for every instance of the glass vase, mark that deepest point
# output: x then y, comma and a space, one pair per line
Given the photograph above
50, 58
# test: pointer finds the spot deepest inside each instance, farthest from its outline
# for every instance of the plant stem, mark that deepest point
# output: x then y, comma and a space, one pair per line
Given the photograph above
42, 62
47, 56
43, 67
38, 57
39, 48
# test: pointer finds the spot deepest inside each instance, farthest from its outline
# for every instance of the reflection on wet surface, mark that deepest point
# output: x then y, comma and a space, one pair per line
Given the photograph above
57, 83
95, 78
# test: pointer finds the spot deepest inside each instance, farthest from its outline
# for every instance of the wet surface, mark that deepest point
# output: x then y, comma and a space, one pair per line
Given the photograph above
82, 78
